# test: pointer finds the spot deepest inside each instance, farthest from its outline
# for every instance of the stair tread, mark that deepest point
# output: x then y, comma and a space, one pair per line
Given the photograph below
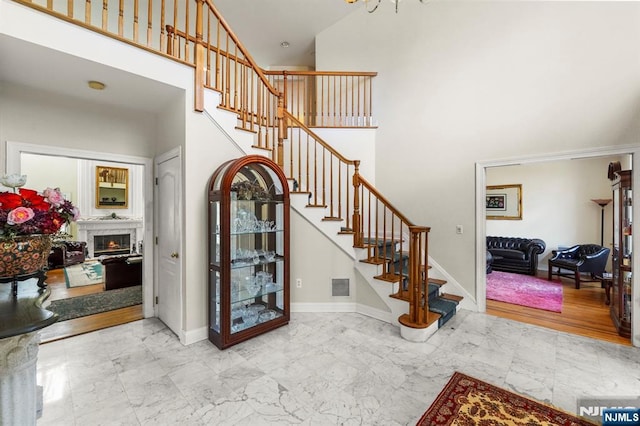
373, 261
392, 278
452, 297
437, 281
332, 219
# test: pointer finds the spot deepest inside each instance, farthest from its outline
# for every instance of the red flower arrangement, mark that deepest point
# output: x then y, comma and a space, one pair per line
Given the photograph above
26, 212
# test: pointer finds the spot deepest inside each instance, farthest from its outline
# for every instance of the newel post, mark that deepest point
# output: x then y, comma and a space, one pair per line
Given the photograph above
199, 60
357, 228
282, 130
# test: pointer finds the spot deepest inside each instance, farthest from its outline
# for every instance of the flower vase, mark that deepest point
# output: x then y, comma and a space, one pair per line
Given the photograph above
24, 255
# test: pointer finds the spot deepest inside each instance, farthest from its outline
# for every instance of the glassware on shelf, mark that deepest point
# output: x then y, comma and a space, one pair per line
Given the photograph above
249, 317
270, 255
252, 286
267, 315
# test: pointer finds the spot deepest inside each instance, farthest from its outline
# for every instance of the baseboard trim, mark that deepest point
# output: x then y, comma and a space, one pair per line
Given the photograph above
193, 336
323, 307
343, 307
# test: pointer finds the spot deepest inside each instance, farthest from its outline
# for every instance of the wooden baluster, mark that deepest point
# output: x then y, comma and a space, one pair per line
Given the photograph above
186, 31
49, 4
121, 18
170, 36
236, 79
208, 78
70, 8
176, 46
105, 15
370, 114
218, 84
135, 20
282, 131
358, 104
228, 76
87, 12
149, 23
199, 60
335, 109
162, 20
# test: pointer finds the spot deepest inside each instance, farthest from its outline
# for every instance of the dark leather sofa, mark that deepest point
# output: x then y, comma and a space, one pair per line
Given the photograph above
121, 271
513, 254
67, 253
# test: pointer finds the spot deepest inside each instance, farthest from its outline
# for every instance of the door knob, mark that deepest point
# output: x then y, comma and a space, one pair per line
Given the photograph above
174, 255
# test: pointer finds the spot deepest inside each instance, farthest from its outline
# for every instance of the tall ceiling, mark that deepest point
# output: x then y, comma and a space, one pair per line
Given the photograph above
261, 25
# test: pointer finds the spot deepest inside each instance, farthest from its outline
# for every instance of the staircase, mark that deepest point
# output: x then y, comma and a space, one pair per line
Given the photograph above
388, 249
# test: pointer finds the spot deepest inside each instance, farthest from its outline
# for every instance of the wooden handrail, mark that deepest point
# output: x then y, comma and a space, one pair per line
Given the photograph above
324, 144
242, 49
382, 198
332, 73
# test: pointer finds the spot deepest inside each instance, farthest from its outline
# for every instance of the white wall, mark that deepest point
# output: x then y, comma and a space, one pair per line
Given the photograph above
45, 118
463, 82
556, 202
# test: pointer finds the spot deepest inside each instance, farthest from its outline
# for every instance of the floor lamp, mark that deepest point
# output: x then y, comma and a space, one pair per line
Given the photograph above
602, 203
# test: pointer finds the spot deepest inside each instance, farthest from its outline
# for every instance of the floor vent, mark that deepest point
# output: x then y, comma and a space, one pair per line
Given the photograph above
340, 287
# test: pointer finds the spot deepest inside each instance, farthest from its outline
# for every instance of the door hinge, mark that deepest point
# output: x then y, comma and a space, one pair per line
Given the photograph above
156, 181
156, 300
156, 240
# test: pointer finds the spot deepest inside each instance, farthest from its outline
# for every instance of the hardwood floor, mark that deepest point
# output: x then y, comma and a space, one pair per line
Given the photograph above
60, 330
584, 313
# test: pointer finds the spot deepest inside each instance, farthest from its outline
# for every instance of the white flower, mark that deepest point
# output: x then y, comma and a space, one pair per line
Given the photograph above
13, 181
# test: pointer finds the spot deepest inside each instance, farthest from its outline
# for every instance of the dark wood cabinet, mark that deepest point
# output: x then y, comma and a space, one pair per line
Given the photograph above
622, 273
248, 250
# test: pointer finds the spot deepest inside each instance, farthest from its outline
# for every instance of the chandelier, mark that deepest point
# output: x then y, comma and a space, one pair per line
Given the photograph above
372, 5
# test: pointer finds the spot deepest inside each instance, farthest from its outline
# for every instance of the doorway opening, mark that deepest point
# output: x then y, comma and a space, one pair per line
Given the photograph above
29, 159
543, 209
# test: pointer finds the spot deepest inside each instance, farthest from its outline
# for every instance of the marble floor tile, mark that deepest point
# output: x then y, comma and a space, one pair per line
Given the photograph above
321, 369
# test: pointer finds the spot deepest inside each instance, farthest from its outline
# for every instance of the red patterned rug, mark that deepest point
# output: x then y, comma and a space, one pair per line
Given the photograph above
466, 401
525, 290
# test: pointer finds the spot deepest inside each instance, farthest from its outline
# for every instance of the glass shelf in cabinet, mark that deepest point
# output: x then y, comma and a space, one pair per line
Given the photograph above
248, 262
244, 296
271, 231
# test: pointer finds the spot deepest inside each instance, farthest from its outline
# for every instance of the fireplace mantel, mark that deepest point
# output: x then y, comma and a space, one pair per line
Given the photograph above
90, 227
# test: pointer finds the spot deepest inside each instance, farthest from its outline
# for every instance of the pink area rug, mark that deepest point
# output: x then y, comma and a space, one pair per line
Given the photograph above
525, 290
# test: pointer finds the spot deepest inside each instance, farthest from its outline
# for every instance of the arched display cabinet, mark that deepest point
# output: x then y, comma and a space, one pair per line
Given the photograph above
248, 250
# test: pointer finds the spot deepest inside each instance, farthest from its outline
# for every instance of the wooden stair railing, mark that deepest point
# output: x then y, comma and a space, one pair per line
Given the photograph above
390, 239
315, 166
327, 98
319, 171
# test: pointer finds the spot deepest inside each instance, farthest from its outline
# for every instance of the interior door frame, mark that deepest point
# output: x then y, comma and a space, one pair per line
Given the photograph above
13, 164
481, 226
175, 152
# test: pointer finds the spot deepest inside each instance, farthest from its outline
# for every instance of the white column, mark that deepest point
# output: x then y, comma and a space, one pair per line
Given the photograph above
18, 393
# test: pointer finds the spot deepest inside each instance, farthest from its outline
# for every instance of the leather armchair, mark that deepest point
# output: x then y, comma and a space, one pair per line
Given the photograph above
578, 260
67, 253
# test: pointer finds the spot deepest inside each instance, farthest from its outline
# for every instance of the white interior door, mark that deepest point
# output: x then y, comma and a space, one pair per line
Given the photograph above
169, 238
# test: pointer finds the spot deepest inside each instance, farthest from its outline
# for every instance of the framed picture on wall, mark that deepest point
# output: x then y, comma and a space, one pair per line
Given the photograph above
504, 202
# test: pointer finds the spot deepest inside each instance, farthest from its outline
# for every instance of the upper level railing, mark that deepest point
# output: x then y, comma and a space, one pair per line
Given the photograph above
194, 33
326, 98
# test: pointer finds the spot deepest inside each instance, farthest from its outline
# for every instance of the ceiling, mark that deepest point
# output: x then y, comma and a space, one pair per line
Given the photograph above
260, 24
